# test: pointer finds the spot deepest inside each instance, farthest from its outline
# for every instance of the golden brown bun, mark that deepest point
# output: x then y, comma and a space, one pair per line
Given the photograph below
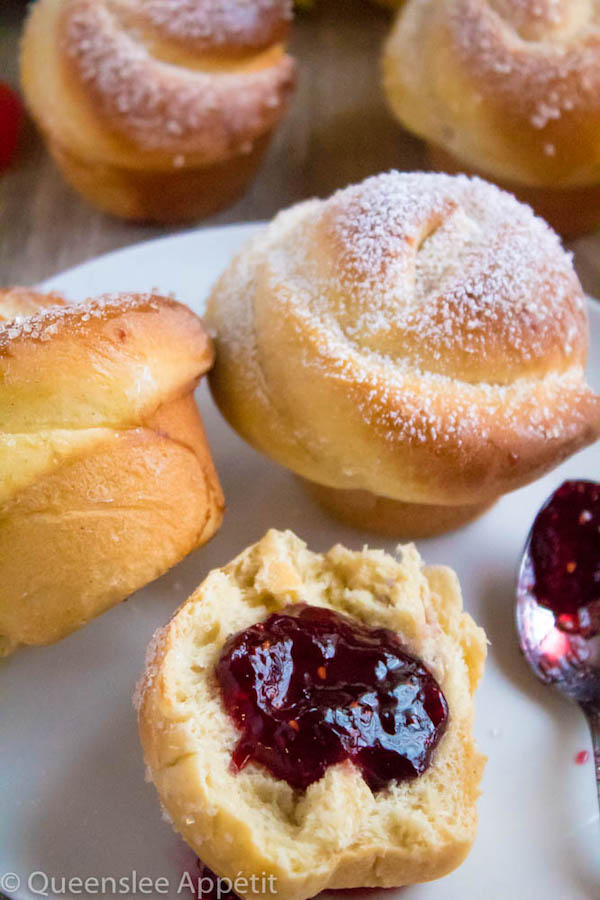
157, 110
337, 834
508, 87
106, 479
417, 336
393, 518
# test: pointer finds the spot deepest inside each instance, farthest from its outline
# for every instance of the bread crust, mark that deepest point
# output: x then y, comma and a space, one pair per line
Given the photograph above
418, 337
106, 479
232, 27
337, 834
510, 87
144, 96
170, 196
392, 518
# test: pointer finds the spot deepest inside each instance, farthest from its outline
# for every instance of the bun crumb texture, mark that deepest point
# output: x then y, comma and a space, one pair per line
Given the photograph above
337, 833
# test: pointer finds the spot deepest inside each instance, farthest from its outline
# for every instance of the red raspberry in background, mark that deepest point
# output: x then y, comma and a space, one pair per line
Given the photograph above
11, 113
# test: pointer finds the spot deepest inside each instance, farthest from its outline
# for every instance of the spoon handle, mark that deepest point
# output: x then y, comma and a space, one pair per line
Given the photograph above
592, 714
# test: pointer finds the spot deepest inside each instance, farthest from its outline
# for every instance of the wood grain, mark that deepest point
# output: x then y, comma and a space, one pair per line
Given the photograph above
337, 131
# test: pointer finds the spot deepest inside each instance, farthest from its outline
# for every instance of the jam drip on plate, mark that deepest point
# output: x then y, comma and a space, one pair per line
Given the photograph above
309, 687
564, 548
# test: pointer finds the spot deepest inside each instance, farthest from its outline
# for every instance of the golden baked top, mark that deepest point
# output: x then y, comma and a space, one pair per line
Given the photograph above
194, 78
414, 335
231, 26
73, 375
105, 362
543, 20
18, 302
510, 86
543, 56
448, 274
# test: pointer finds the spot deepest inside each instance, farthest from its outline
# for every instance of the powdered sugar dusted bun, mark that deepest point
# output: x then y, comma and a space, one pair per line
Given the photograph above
509, 88
419, 337
234, 26
337, 833
106, 478
17, 303
167, 94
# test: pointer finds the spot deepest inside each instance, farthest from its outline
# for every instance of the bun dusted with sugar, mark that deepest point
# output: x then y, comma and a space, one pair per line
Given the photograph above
413, 347
157, 110
106, 479
509, 89
337, 833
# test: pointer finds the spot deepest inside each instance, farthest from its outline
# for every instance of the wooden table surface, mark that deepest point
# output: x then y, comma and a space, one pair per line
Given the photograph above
338, 130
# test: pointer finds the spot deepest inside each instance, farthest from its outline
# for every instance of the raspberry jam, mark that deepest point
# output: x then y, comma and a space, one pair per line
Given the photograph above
309, 687
564, 548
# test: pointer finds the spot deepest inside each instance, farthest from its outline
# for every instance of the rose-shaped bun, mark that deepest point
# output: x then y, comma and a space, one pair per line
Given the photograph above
158, 110
414, 347
508, 89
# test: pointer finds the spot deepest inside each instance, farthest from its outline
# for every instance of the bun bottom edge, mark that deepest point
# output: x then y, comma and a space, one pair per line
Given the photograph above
160, 196
393, 518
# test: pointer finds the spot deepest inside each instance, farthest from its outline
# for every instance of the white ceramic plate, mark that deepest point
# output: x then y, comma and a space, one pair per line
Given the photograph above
73, 801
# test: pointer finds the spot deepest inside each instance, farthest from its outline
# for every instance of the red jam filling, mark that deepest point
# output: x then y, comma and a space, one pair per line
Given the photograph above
582, 757
309, 687
564, 549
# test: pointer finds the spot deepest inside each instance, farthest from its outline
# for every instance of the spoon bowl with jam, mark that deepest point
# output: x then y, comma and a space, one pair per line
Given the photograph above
558, 599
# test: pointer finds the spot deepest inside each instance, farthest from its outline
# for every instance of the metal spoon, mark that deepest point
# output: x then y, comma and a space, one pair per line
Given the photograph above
568, 662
